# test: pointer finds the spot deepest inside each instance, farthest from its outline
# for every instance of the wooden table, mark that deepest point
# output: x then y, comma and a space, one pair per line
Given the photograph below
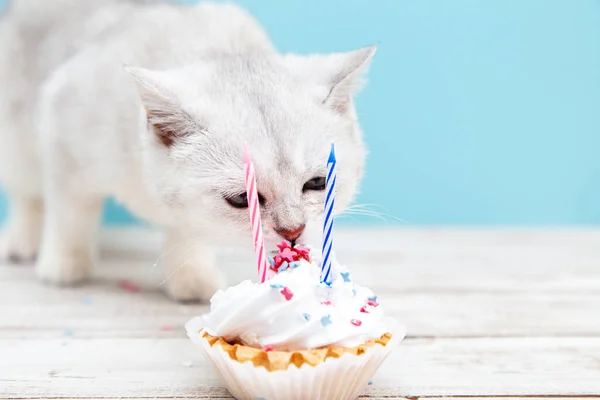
490, 313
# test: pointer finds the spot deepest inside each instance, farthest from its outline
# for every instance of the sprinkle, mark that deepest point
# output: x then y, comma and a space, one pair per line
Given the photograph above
276, 286
302, 251
283, 245
372, 298
277, 260
326, 320
372, 303
346, 276
166, 327
354, 292
363, 309
86, 300
287, 293
326, 303
68, 332
284, 265
306, 316
288, 254
370, 382
356, 322
268, 348
288, 257
271, 261
128, 286
187, 364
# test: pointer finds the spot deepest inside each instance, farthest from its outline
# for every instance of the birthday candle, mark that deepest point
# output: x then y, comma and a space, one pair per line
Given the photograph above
254, 209
328, 223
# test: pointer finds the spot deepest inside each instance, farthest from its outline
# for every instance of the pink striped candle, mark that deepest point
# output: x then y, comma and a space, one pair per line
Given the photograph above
254, 209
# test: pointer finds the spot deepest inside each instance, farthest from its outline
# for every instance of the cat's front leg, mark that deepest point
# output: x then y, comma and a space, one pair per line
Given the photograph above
68, 246
20, 242
191, 273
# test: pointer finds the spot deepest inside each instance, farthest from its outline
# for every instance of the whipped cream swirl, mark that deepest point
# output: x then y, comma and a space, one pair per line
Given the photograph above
294, 311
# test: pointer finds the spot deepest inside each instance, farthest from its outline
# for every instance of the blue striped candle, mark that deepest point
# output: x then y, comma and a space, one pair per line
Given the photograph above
328, 223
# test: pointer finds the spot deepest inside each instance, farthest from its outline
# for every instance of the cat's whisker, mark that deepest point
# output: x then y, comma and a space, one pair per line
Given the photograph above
171, 274
365, 210
179, 267
174, 247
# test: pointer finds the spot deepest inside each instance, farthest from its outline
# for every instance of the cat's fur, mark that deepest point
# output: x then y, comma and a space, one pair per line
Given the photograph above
152, 104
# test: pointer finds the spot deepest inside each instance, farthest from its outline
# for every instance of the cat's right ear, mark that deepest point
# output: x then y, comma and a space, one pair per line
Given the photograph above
168, 120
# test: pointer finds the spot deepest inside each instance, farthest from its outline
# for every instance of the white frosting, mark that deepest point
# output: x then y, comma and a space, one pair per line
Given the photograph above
259, 315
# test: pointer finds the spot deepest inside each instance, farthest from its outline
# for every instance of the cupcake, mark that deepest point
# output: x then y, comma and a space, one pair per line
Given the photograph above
293, 337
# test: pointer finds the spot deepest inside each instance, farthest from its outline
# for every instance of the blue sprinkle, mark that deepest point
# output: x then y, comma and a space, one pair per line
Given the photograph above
326, 320
86, 301
284, 265
276, 286
306, 316
346, 276
354, 292
68, 332
370, 382
271, 261
295, 264
372, 298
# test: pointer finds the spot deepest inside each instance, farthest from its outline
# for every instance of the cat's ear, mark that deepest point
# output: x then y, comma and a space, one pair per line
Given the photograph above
340, 74
344, 75
168, 120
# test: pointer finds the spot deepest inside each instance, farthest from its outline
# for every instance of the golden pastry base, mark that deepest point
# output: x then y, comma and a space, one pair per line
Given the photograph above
281, 360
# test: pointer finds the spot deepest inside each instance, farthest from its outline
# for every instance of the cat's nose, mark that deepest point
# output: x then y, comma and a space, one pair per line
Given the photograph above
291, 234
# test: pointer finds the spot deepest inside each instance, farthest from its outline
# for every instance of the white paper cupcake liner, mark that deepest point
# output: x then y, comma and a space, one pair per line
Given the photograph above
334, 379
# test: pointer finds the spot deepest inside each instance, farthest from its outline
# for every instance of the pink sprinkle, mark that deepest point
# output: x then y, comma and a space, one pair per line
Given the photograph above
288, 254
268, 348
356, 322
326, 303
128, 286
283, 245
372, 303
278, 260
166, 327
303, 251
287, 293
363, 309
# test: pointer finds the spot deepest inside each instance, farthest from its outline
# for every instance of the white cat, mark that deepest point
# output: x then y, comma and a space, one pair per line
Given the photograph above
152, 104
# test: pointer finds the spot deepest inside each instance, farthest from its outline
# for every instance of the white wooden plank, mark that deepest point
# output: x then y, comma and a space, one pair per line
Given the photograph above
442, 367
432, 259
110, 312
411, 259
431, 302
400, 238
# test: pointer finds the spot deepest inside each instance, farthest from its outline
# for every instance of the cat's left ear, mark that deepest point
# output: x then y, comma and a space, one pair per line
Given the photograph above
338, 75
168, 120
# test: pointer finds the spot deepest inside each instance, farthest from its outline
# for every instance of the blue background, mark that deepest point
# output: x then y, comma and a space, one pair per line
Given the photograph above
477, 112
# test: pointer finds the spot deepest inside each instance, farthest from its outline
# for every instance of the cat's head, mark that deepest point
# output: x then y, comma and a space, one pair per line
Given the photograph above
289, 109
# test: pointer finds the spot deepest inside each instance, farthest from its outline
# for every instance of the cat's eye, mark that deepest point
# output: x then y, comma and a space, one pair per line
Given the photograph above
241, 200
317, 183
238, 201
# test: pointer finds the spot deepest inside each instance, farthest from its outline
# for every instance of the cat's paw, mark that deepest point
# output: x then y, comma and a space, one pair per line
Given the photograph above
18, 247
189, 284
64, 270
